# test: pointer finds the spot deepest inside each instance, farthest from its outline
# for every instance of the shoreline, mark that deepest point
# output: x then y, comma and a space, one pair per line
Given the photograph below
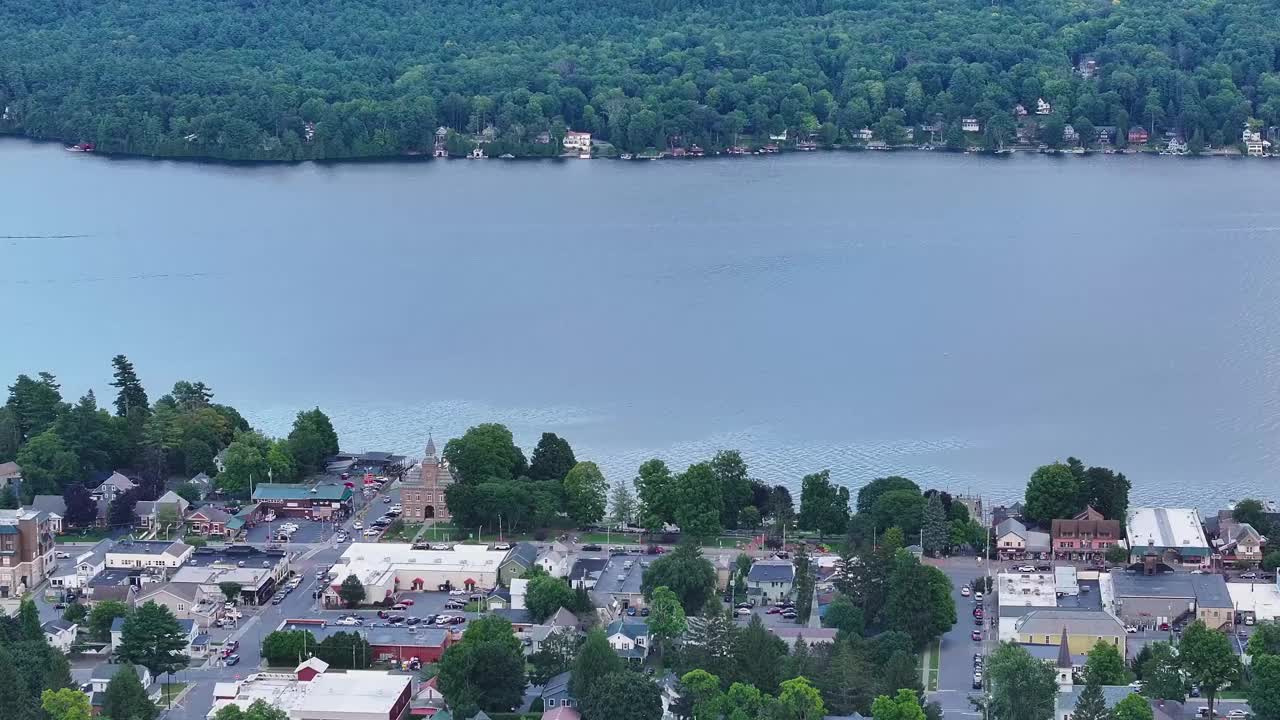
666, 155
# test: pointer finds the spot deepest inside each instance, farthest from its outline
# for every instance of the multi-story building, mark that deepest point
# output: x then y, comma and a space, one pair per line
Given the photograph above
323, 501
423, 487
1084, 536
26, 550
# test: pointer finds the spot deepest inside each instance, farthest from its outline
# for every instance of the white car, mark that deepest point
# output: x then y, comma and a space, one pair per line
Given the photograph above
372, 532
1026, 568
347, 621
357, 525
455, 592
978, 596
1130, 629
1238, 713
61, 554
964, 591
744, 611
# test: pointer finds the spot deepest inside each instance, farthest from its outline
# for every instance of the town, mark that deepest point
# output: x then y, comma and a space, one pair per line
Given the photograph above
213, 572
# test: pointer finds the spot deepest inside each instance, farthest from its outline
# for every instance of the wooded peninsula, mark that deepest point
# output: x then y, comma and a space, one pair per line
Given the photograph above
329, 79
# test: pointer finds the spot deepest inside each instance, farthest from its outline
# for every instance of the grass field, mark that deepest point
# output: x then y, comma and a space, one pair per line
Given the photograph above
87, 535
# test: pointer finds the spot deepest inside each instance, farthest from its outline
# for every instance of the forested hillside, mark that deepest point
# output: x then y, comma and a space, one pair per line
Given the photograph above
240, 79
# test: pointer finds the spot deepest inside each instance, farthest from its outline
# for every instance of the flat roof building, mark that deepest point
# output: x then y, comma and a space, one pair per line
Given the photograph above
311, 693
1142, 599
1176, 534
388, 568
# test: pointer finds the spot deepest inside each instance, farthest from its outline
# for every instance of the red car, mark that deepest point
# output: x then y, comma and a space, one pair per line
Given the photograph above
406, 601
773, 610
976, 635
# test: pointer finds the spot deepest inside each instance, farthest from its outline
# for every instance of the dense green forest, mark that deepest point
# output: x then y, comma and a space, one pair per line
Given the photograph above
241, 79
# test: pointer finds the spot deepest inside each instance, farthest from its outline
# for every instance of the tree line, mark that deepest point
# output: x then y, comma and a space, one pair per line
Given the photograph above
335, 79
61, 446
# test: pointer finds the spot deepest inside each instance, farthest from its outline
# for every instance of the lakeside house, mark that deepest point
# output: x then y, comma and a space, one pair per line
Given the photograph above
579, 142
1138, 135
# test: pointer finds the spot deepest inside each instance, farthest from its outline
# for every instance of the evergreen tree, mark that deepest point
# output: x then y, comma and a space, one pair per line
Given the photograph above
153, 639
804, 582
552, 459
623, 505
759, 655
126, 699
29, 621
936, 531
131, 396
1091, 705
8, 498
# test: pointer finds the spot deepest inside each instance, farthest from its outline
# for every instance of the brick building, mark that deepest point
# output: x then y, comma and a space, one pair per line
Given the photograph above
422, 489
26, 550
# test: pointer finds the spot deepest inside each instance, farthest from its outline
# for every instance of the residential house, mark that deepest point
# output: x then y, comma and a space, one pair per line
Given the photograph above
188, 629
556, 694
209, 520
10, 475
770, 580
170, 509
26, 550
1011, 538
60, 634
1138, 135
556, 561
578, 142
55, 507
629, 637
670, 687
563, 619
1087, 68
522, 557
203, 483
586, 571
101, 676
1243, 546
1000, 513
1254, 145
187, 601
1069, 134
970, 125
1085, 536
1042, 107
1019, 111
220, 460
863, 135
114, 486
1106, 134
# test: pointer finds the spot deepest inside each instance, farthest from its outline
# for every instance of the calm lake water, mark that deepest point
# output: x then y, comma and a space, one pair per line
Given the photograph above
956, 319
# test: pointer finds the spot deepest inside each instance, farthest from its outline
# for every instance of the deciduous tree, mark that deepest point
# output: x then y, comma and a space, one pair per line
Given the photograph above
546, 595
1264, 687
1105, 666
1133, 707
484, 452
1022, 687
66, 704
905, 705
596, 660
585, 491
686, 572
486, 668
699, 501
1053, 492
623, 695
666, 619
1205, 656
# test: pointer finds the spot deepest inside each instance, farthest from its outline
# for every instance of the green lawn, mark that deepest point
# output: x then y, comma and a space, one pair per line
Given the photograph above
400, 532
87, 535
170, 692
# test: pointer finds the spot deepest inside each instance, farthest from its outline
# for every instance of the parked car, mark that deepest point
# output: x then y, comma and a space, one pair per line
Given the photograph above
1251, 575
231, 660
1130, 629
631, 612
976, 635
457, 620
62, 555
644, 612
744, 611
774, 610
407, 601
412, 621
977, 596
1026, 568
357, 525
977, 681
400, 606
591, 548
789, 615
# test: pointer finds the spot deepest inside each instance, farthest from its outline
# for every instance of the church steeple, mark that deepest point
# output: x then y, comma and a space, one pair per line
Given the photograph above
1065, 679
431, 446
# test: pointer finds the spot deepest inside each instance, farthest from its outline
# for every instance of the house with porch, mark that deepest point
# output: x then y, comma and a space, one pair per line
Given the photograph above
770, 580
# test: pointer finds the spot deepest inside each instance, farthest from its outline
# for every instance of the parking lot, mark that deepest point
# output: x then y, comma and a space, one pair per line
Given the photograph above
423, 604
309, 531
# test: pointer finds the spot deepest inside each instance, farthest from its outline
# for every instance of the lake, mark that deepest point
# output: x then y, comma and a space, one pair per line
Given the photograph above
955, 319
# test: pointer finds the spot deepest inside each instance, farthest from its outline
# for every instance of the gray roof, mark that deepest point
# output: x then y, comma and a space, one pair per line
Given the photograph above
1051, 621
1111, 695
119, 481
519, 616
185, 591
1207, 590
97, 555
557, 687
630, 627
58, 625
123, 593
1037, 541
563, 618
1011, 525
144, 508
106, 671
583, 567
213, 513
53, 504
771, 572
524, 554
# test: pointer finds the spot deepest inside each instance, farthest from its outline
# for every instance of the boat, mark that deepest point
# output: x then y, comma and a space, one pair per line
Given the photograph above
584, 156
625, 156
80, 147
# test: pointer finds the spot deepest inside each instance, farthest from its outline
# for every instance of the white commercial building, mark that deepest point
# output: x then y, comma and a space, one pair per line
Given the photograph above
387, 568
1261, 599
138, 554
311, 693
1175, 534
